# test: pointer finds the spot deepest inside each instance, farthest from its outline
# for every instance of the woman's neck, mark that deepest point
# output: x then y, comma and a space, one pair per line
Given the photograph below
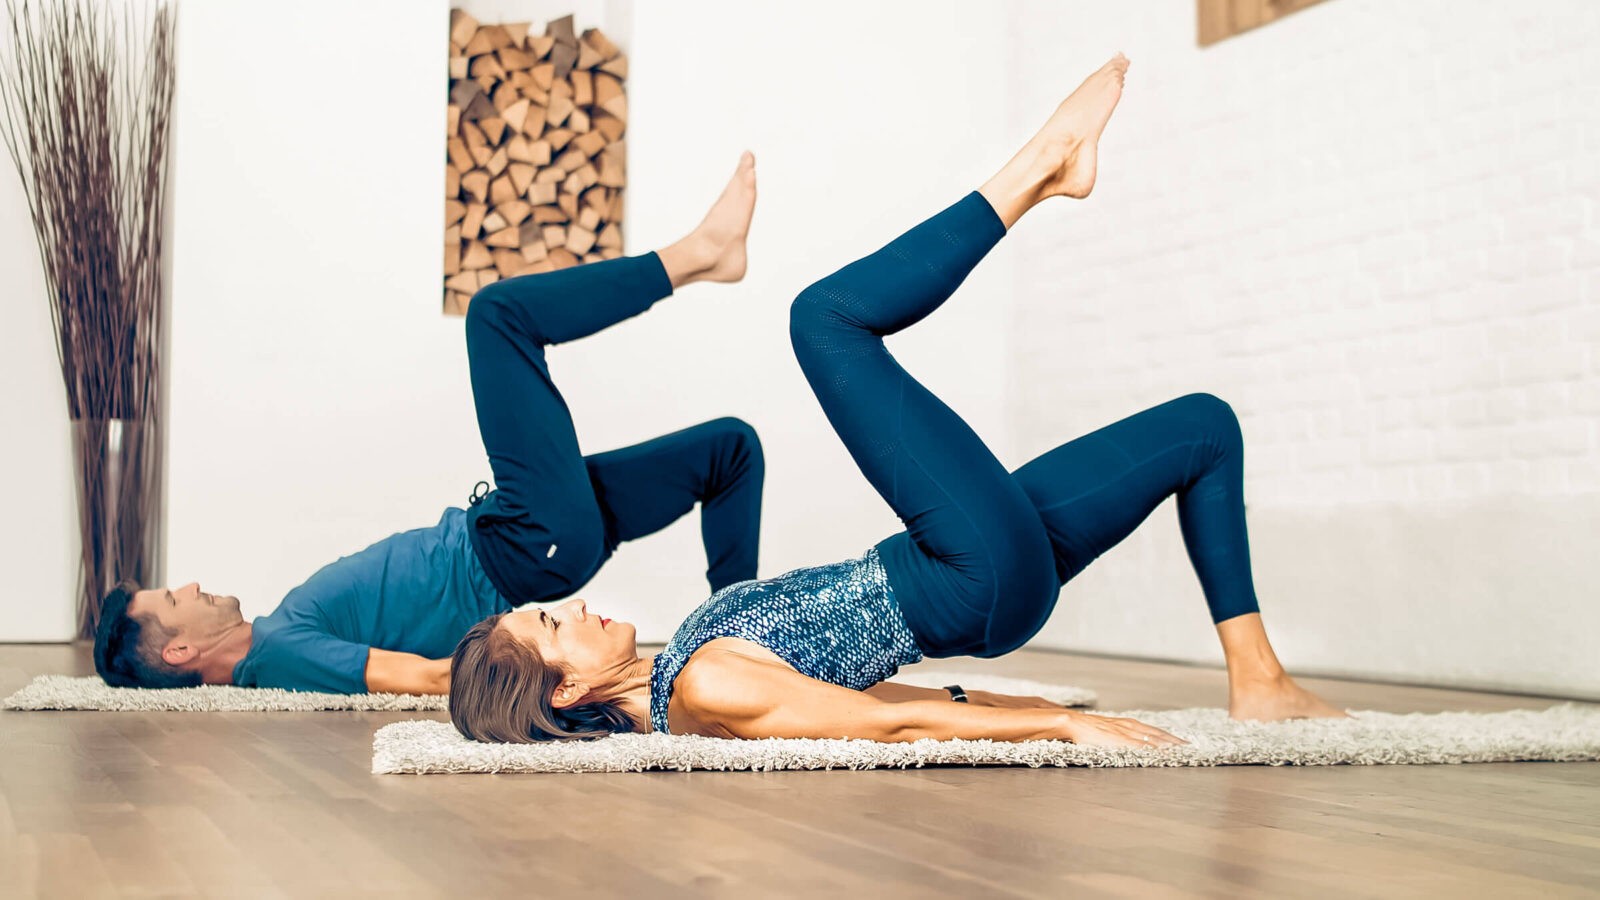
632, 691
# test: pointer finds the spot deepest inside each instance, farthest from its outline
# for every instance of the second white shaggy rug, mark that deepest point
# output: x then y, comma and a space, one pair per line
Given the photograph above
1568, 732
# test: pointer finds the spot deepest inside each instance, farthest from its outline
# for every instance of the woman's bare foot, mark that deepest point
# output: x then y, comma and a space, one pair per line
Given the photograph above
715, 250
1276, 699
1060, 161
1072, 135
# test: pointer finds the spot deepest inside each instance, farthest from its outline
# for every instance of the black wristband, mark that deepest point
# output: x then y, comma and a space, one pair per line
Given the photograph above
956, 693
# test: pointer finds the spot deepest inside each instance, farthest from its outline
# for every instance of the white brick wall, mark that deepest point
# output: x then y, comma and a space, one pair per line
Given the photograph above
1372, 228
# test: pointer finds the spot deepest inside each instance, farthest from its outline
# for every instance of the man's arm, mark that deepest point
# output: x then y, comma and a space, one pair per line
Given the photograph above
391, 672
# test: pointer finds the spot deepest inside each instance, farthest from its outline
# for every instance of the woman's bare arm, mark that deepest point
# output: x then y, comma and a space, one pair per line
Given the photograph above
895, 692
732, 695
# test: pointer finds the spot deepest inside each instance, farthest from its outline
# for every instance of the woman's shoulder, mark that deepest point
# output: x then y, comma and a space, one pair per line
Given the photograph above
726, 675
724, 659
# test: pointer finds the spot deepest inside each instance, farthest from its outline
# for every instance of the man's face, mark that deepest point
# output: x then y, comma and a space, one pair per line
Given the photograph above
193, 614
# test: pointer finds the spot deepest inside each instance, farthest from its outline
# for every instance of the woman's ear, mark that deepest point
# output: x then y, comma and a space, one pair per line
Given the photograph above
570, 693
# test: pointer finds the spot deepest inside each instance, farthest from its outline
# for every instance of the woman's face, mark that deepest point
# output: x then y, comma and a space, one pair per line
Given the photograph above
590, 647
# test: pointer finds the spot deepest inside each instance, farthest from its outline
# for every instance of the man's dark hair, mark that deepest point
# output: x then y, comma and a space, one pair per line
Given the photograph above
127, 652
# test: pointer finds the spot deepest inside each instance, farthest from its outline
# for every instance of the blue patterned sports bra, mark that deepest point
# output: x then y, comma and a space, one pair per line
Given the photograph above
837, 623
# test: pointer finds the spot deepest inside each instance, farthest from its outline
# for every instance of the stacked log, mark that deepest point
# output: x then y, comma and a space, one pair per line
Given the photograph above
535, 152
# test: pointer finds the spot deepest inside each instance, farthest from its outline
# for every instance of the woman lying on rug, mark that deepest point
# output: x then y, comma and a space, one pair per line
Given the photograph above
977, 570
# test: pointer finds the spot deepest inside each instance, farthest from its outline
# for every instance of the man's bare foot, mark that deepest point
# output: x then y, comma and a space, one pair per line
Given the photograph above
1274, 700
1072, 135
715, 249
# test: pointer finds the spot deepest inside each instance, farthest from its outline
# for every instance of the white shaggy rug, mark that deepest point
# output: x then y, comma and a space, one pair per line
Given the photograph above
67, 692
1561, 733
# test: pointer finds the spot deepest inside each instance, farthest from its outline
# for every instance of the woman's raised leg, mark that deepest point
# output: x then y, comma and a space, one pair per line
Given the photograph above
1092, 492
971, 533
973, 571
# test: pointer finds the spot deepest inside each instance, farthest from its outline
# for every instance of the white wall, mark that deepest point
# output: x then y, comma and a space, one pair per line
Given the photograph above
39, 533
321, 401
1371, 227
319, 398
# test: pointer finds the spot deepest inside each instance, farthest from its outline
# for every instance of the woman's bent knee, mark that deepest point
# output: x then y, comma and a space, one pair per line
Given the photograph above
1217, 415
808, 312
818, 311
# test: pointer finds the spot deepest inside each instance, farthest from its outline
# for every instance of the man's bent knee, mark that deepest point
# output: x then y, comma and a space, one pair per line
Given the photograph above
494, 310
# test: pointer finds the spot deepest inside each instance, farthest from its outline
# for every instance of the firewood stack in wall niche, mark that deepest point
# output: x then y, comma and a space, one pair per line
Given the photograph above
535, 151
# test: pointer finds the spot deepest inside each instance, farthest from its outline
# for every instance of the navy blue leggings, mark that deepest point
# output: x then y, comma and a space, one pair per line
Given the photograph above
985, 551
556, 515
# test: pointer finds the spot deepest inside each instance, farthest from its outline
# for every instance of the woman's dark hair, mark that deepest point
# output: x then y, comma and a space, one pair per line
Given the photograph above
127, 652
500, 692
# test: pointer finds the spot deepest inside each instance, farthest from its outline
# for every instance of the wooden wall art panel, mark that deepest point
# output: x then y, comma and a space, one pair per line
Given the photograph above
1219, 19
535, 156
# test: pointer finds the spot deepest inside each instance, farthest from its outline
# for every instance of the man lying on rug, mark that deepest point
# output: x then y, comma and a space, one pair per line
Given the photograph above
387, 618
977, 570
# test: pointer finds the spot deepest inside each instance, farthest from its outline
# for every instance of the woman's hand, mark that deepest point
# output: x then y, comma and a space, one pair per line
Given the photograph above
1108, 731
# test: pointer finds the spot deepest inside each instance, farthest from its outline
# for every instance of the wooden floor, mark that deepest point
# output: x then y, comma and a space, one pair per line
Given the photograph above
282, 805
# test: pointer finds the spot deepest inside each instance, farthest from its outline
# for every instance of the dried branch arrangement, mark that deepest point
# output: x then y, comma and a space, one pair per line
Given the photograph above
85, 112
536, 154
